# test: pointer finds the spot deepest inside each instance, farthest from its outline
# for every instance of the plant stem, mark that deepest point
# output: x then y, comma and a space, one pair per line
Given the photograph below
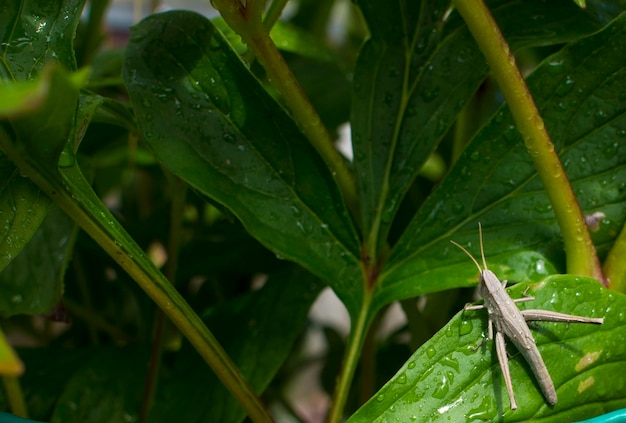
178, 193
357, 336
273, 13
15, 397
246, 21
615, 265
92, 319
579, 248
95, 322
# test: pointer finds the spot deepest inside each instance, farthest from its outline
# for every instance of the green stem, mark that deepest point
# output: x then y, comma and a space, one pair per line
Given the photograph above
579, 248
154, 367
95, 322
93, 35
15, 396
90, 317
350, 360
246, 21
178, 193
615, 265
72, 193
273, 13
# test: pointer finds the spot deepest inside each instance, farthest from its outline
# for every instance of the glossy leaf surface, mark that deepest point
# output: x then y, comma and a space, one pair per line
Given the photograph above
578, 92
213, 125
22, 207
36, 289
33, 33
448, 379
413, 77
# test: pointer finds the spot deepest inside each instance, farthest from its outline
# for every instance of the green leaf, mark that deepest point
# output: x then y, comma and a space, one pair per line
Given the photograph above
43, 383
261, 330
34, 33
448, 379
414, 76
44, 130
21, 96
22, 209
579, 94
107, 387
31, 289
290, 38
31, 35
213, 125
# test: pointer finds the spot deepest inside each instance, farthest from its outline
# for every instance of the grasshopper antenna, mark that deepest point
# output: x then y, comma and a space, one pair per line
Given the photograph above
469, 255
482, 251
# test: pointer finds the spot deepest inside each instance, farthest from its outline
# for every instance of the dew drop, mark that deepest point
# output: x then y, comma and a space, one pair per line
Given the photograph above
565, 86
466, 327
430, 94
228, 137
401, 379
555, 65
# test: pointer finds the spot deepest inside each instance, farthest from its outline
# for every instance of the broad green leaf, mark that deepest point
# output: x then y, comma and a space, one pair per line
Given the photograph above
579, 92
107, 388
32, 289
287, 37
213, 125
22, 209
448, 379
34, 33
292, 39
229, 247
413, 77
44, 127
21, 96
261, 330
43, 383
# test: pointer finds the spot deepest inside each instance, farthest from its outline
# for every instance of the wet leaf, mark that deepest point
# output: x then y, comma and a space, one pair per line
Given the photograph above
36, 289
578, 92
107, 387
413, 77
33, 33
212, 124
447, 379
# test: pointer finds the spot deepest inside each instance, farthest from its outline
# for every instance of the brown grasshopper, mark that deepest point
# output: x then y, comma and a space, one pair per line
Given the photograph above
511, 322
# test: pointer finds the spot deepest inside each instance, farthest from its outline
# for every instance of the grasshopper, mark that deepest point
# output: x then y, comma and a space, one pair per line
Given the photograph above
510, 321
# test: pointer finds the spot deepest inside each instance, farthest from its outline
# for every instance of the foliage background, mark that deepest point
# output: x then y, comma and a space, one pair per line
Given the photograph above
182, 149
